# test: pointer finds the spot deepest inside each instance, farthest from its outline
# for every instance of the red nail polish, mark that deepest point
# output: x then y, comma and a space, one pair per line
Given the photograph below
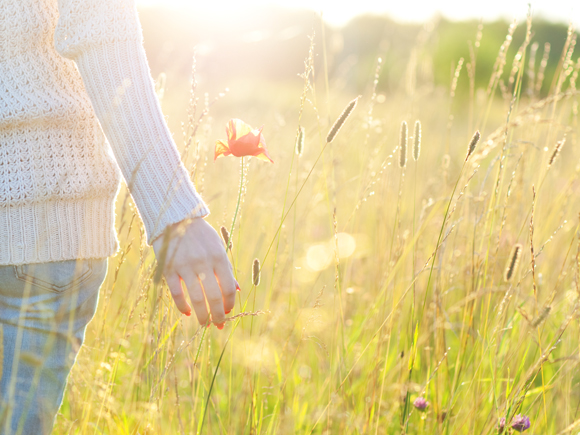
220, 327
228, 312
188, 314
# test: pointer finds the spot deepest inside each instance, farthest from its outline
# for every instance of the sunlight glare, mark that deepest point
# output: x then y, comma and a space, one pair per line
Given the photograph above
411, 11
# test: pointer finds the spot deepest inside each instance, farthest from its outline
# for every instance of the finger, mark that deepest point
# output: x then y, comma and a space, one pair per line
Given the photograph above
196, 296
174, 284
227, 284
213, 296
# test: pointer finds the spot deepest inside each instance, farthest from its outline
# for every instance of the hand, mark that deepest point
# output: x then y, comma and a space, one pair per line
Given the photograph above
192, 251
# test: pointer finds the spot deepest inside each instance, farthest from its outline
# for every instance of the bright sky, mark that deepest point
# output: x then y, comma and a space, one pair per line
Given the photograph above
337, 12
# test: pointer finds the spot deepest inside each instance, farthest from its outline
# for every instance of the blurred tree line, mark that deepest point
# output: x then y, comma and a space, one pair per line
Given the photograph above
271, 44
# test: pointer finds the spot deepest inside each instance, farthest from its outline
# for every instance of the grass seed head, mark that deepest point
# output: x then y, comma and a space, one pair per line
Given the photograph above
256, 272
341, 120
541, 316
417, 140
300, 141
556, 151
513, 261
473, 144
403, 145
226, 237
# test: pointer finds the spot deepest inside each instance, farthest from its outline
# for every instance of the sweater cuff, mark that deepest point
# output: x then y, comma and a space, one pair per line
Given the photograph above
118, 81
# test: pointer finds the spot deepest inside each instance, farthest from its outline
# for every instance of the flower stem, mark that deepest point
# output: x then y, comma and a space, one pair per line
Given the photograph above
239, 198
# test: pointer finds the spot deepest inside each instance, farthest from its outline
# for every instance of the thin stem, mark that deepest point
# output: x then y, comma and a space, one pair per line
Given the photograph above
239, 198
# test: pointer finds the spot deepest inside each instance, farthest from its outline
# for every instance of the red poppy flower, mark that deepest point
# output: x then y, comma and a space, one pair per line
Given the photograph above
242, 141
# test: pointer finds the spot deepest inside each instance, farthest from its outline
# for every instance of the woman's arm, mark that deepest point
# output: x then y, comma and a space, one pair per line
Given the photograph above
104, 38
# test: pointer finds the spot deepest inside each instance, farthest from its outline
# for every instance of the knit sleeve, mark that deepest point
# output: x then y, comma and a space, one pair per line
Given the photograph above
104, 38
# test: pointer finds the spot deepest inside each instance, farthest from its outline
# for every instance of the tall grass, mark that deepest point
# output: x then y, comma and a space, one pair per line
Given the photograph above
369, 289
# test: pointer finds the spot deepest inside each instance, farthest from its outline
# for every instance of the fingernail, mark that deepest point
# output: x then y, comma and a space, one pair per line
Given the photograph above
208, 325
221, 326
188, 314
238, 288
228, 312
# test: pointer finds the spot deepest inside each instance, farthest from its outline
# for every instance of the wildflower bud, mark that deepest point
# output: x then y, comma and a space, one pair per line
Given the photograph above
256, 272
501, 425
521, 423
421, 404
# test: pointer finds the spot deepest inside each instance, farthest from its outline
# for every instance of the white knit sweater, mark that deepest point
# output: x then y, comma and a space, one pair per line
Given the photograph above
69, 71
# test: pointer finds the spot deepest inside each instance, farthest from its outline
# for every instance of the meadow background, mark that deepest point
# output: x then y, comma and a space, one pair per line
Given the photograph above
379, 284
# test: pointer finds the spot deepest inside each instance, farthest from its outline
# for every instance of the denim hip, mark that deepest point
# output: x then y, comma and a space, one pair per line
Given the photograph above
44, 311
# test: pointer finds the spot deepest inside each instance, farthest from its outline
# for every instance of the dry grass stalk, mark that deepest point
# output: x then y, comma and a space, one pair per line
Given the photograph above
417, 140
226, 236
300, 141
473, 144
341, 120
501, 60
513, 262
256, 272
542, 69
246, 314
542, 316
456, 77
403, 145
532, 243
531, 71
556, 151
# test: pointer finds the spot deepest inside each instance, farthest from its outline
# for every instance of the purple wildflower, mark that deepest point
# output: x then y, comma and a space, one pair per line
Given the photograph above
501, 425
521, 423
420, 403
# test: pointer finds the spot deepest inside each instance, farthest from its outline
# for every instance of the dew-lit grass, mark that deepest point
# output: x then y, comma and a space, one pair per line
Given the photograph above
377, 282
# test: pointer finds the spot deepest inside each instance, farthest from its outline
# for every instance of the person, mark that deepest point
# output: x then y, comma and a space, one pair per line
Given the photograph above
78, 110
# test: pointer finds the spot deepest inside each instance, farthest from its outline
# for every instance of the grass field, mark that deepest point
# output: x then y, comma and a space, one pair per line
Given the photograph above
379, 283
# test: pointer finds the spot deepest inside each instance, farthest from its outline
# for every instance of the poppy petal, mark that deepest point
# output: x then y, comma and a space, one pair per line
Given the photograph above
246, 145
263, 153
237, 128
242, 141
221, 149
264, 156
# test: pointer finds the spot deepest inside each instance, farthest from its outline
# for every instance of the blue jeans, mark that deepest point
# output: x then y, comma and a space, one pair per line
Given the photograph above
44, 311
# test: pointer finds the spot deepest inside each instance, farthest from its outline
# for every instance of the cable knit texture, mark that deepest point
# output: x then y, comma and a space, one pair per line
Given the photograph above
71, 70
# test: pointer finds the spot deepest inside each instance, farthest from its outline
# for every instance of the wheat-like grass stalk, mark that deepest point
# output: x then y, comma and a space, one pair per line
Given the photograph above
226, 236
542, 69
513, 262
256, 272
542, 316
472, 144
531, 71
300, 141
417, 140
403, 145
341, 120
556, 151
